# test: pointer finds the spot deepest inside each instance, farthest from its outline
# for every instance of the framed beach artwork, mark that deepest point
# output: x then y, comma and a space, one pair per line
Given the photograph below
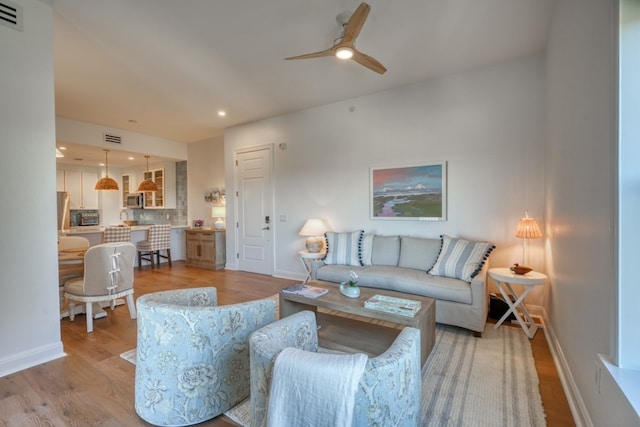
414, 192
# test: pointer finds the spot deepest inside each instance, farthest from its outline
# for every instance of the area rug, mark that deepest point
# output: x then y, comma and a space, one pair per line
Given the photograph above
467, 381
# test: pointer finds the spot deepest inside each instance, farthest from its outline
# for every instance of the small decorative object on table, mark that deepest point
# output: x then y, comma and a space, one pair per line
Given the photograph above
350, 289
198, 223
401, 306
305, 290
520, 269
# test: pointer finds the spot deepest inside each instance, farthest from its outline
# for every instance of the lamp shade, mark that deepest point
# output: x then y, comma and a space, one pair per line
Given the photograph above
528, 228
106, 183
218, 212
148, 184
313, 227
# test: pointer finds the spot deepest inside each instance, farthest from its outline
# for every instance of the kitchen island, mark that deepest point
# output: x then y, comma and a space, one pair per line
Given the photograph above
138, 233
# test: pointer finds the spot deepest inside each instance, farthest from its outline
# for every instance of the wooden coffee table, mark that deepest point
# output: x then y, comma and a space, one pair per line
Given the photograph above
356, 333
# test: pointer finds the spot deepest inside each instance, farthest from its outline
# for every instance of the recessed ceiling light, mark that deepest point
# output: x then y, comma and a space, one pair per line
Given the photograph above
131, 158
222, 113
100, 164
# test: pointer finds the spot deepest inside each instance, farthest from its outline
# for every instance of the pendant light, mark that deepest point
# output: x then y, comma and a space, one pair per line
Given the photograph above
147, 184
106, 183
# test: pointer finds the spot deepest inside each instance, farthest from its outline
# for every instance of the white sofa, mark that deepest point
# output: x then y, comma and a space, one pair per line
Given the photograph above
401, 263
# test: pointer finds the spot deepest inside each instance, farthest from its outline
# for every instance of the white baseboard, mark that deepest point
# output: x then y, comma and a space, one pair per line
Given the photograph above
27, 359
576, 404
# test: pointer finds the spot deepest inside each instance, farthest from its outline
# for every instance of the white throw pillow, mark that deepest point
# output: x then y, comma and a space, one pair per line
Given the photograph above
461, 259
343, 248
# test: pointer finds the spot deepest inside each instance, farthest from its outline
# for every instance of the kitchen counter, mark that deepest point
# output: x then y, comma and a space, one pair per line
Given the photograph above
90, 229
138, 233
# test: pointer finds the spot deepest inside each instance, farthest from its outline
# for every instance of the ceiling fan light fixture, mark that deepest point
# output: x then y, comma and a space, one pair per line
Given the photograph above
344, 53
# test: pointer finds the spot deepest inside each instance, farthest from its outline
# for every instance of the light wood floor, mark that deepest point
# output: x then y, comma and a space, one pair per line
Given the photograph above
92, 385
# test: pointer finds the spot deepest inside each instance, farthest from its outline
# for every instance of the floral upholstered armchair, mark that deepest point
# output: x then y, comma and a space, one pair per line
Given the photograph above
389, 392
192, 359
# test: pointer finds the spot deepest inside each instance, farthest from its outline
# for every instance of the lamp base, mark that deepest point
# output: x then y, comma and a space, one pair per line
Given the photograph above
314, 244
219, 224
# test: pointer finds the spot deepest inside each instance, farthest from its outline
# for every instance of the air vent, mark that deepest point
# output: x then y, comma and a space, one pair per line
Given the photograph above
113, 139
11, 15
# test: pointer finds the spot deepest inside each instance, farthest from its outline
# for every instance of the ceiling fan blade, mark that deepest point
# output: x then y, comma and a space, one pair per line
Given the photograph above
369, 62
353, 27
326, 52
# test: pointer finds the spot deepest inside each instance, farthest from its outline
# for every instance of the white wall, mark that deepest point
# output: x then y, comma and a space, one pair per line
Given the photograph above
487, 124
205, 173
580, 202
29, 307
78, 132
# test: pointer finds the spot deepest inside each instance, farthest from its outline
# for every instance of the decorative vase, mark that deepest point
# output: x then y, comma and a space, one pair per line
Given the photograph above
349, 291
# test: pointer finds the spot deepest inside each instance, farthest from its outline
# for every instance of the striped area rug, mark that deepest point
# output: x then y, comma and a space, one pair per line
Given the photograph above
488, 381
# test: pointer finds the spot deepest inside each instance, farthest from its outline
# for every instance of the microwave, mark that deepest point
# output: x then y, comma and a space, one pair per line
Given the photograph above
135, 200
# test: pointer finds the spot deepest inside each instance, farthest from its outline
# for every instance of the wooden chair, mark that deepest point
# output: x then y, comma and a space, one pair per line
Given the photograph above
108, 275
158, 239
71, 268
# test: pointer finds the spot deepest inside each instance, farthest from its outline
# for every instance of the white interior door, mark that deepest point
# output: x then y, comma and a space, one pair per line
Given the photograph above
255, 200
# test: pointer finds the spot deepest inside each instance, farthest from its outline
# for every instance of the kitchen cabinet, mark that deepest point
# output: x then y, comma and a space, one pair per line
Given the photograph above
155, 199
206, 248
127, 185
81, 189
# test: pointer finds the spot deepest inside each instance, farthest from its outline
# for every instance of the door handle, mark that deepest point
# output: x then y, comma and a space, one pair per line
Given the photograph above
266, 228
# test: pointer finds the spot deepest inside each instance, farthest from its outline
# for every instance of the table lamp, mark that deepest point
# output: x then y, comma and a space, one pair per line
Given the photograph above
527, 229
313, 229
218, 212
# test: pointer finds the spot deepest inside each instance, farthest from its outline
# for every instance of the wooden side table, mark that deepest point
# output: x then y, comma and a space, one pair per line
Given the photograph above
306, 258
206, 248
505, 278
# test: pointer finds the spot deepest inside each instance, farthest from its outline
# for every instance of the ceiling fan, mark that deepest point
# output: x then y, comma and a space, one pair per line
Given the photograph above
344, 46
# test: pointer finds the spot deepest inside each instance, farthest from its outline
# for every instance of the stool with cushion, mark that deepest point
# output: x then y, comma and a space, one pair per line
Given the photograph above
158, 239
108, 275
192, 358
388, 394
71, 268
116, 234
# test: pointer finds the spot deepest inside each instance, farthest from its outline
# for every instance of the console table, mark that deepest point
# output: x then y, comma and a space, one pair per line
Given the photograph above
504, 278
206, 248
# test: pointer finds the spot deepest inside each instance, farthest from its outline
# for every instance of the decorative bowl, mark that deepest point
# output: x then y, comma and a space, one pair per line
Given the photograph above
520, 269
129, 223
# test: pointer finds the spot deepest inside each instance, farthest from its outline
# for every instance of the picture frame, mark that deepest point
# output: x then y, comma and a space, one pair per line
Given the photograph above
416, 192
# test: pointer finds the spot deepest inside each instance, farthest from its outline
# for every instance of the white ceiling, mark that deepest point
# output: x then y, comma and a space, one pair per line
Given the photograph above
171, 65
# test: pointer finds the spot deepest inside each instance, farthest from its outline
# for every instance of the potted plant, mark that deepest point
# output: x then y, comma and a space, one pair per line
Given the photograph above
350, 288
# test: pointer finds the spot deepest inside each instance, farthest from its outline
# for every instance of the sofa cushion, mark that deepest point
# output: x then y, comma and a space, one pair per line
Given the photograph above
418, 253
385, 250
343, 248
397, 279
366, 248
461, 259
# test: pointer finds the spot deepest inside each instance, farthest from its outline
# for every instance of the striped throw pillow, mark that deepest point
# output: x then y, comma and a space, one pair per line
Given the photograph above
343, 248
460, 259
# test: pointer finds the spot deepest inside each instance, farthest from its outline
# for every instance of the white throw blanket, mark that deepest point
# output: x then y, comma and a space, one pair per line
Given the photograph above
314, 389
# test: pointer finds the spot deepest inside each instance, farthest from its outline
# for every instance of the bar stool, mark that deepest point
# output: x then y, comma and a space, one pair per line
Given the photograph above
116, 234
158, 239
